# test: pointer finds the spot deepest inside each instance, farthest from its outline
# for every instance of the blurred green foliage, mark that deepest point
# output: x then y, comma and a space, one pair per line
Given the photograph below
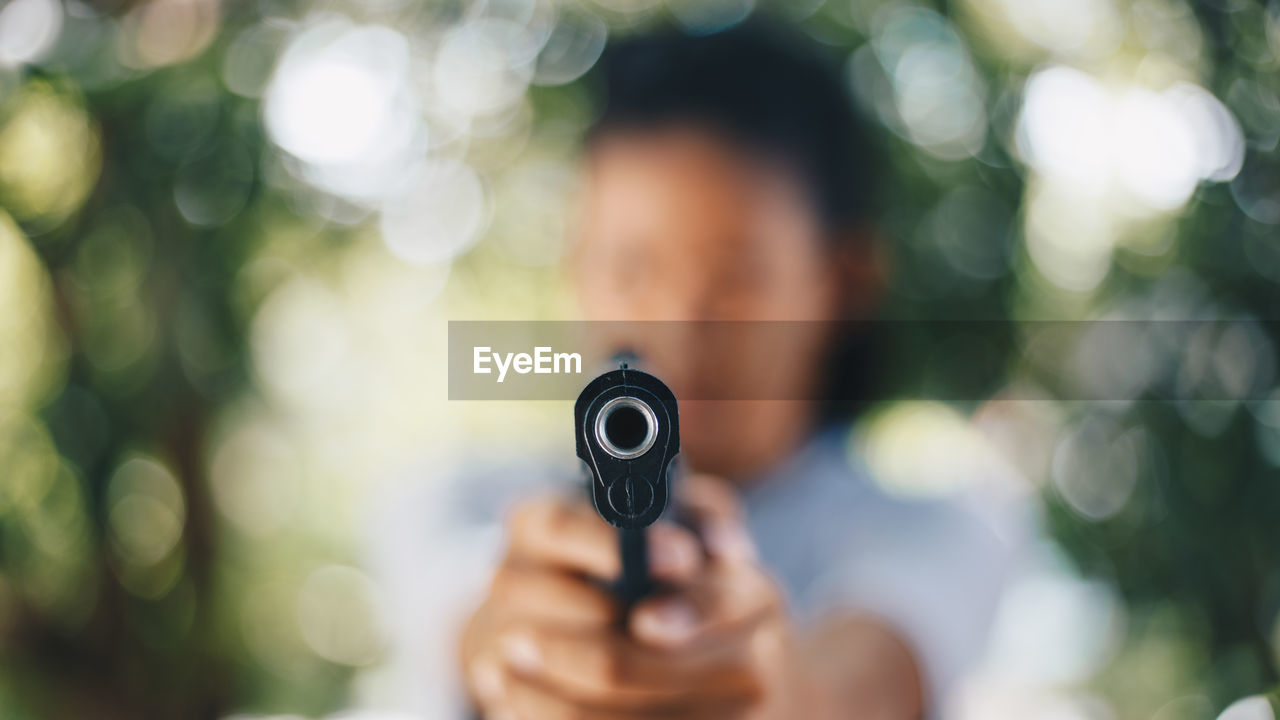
149, 219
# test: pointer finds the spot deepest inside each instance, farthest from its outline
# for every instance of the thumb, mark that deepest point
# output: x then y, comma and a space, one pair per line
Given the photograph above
726, 603
716, 511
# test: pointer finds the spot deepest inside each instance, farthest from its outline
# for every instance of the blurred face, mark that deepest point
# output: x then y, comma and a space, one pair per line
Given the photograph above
677, 225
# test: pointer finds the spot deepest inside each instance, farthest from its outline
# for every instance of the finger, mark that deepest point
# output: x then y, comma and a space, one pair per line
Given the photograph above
529, 699
717, 513
552, 596
488, 684
555, 532
675, 553
709, 497
608, 670
729, 599
571, 536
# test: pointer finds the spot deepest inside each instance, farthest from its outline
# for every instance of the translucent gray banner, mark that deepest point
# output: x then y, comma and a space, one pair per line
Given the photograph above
1171, 360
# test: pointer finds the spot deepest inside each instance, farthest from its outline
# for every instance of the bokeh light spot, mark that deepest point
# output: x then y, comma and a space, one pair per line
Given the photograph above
337, 608
1254, 708
146, 510
1097, 465
28, 28
438, 216
49, 154
338, 94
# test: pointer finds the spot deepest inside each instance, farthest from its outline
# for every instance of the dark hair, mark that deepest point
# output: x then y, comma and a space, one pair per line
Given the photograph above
759, 86
770, 92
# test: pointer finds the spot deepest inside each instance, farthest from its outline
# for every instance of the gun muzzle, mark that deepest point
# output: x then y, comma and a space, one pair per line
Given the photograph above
626, 427
628, 434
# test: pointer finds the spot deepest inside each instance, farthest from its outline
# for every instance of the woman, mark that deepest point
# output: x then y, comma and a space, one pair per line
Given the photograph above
727, 178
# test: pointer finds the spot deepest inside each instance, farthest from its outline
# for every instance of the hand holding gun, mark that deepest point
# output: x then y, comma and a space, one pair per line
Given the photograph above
572, 627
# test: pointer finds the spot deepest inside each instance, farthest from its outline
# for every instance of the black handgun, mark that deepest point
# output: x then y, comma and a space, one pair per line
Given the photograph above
628, 434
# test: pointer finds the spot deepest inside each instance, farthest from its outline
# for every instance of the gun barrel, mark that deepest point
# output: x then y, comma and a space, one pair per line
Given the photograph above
626, 427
